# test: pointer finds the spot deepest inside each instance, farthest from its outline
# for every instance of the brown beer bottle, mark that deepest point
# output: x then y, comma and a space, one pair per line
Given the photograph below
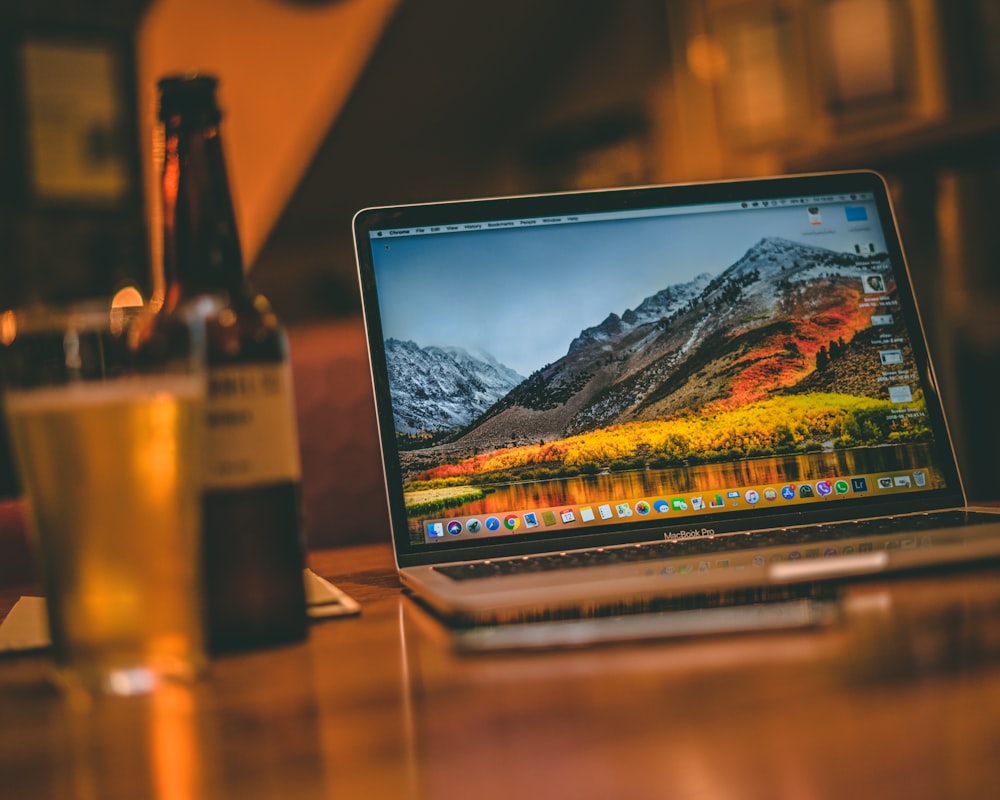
253, 541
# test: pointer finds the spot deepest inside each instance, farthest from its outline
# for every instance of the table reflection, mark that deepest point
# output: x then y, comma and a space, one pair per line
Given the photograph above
895, 699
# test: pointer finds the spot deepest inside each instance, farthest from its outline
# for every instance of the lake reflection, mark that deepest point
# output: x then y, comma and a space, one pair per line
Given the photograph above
703, 478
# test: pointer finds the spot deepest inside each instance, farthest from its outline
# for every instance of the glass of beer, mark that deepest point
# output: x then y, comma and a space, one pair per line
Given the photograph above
105, 427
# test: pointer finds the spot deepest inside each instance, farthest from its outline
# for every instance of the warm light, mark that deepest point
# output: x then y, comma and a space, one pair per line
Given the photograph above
128, 297
706, 59
157, 461
125, 298
863, 52
174, 742
171, 181
278, 108
8, 327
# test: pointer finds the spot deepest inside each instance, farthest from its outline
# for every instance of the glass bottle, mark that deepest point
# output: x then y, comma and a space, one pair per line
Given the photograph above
253, 541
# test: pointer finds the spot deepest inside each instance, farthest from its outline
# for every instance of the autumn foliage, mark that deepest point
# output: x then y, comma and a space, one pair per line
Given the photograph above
775, 426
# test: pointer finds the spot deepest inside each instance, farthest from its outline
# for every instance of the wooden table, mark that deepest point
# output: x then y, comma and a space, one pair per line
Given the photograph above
899, 699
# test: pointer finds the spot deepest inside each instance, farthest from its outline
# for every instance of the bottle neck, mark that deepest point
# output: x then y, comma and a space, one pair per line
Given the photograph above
201, 249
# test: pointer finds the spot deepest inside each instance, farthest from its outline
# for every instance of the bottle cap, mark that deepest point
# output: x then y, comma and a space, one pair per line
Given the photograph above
187, 93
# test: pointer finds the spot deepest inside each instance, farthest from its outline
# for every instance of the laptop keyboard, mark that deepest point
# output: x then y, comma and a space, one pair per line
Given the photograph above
601, 556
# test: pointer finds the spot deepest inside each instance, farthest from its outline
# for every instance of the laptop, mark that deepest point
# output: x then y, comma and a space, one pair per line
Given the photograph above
655, 399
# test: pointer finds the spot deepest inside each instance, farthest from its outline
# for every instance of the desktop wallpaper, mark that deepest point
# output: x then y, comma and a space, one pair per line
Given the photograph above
574, 363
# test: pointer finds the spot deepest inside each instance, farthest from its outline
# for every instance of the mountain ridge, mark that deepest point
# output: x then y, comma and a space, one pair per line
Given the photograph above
435, 388
750, 332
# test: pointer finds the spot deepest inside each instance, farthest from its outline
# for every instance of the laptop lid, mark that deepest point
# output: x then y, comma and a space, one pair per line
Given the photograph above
595, 368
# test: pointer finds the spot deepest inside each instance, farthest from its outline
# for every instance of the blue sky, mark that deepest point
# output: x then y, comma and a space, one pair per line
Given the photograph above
523, 294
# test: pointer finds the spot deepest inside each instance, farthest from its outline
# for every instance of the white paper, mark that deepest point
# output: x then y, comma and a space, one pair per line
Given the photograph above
26, 627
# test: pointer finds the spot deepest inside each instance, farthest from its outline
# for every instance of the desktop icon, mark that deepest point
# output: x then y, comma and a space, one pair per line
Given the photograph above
567, 515
752, 496
890, 358
698, 503
530, 520
841, 487
661, 506
473, 526
873, 284
511, 522
492, 524
788, 492
642, 508
900, 394
806, 490
454, 527
549, 517
435, 530
770, 494
605, 511
623, 510
678, 504
859, 485
824, 488
586, 514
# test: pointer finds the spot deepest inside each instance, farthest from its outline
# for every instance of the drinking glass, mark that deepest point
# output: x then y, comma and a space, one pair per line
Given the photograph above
105, 427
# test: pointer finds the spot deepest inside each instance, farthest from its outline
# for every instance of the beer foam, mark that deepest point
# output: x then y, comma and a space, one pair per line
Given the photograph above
100, 393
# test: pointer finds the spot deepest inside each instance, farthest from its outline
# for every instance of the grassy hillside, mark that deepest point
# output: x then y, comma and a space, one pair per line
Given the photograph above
776, 426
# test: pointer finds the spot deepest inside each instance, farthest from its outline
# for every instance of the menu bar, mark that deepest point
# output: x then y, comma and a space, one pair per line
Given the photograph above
603, 216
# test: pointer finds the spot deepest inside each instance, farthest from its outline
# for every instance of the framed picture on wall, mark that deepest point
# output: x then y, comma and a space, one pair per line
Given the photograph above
761, 82
73, 221
76, 126
868, 57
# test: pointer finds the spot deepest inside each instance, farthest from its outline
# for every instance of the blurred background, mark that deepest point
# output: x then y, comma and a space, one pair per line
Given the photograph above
333, 105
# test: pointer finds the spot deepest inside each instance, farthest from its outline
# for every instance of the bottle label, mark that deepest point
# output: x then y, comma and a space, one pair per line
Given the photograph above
250, 437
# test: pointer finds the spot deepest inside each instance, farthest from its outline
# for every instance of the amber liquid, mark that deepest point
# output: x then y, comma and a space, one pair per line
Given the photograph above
113, 494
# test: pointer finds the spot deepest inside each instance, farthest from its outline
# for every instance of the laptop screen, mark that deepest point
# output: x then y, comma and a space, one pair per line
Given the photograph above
596, 363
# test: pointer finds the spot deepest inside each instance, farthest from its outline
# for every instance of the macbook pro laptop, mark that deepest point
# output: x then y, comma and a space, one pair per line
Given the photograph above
654, 398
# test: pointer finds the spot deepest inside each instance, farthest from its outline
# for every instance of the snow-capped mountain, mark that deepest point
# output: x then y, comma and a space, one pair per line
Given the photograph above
438, 388
659, 306
753, 330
